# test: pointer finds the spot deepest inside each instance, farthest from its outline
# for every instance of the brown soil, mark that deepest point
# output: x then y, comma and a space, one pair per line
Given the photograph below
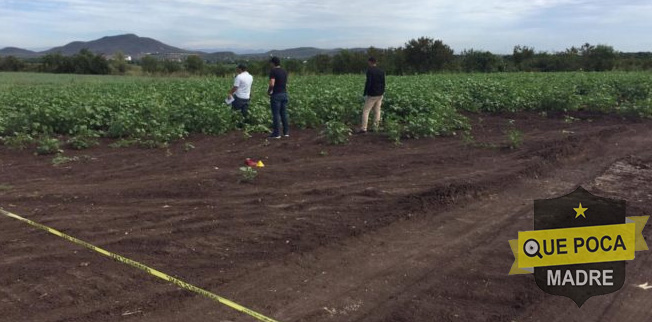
367, 231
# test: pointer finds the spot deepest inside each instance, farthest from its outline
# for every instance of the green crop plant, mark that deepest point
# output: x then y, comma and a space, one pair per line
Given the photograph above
18, 141
394, 130
83, 139
48, 145
155, 111
248, 174
514, 136
337, 132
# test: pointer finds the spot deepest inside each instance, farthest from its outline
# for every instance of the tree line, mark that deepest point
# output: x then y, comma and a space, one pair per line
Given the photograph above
417, 56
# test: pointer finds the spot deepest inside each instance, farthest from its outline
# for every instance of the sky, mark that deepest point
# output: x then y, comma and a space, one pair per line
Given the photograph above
494, 25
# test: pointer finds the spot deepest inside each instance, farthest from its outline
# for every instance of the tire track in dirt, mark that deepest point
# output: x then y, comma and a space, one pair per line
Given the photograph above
354, 271
303, 216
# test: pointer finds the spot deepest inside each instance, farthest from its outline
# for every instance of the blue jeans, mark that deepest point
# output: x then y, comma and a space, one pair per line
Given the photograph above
279, 104
242, 105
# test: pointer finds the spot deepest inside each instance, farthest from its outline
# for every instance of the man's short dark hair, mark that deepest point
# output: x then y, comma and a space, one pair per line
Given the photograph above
242, 67
275, 60
372, 59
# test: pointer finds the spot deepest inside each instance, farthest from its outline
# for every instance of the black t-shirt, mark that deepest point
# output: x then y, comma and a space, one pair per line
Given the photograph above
375, 84
280, 77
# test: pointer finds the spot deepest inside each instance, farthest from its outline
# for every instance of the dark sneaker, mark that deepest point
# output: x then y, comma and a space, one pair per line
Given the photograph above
274, 137
286, 135
361, 131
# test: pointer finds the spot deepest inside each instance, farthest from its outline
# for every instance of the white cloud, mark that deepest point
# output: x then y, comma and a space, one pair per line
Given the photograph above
490, 24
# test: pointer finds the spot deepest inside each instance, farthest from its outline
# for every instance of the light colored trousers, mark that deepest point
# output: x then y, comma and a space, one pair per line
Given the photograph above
371, 102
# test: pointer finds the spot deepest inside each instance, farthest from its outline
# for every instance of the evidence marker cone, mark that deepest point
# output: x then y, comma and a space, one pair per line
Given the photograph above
260, 164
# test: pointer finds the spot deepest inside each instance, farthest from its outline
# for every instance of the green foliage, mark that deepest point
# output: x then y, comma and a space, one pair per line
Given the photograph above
118, 63
259, 128
84, 62
123, 143
598, 58
154, 111
48, 145
337, 132
61, 159
18, 141
426, 54
169, 66
83, 139
149, 64
421, 55
522, 54
467, 138
394, 130
320, 64
514, 136
81, 143
248, 174
188, 146
151, 144
11, 64
482, 61
194, 64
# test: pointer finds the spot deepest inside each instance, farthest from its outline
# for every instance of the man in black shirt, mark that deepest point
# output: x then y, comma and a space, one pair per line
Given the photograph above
278, 98
374, 89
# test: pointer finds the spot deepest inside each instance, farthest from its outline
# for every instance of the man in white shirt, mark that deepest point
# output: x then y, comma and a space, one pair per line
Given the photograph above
241, 90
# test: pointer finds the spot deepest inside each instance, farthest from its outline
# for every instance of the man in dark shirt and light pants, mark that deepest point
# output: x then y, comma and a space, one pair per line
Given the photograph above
374, 89
278, 98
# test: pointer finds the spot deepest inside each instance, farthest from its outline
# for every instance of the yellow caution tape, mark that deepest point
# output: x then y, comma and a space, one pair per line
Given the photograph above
145, 268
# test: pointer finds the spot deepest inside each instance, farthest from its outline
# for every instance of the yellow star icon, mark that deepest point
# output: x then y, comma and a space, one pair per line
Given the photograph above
580, 211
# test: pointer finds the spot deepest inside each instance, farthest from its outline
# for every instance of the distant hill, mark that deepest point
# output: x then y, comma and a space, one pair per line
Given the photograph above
18, 52
128, 44
137, 47
220, 56
299, 53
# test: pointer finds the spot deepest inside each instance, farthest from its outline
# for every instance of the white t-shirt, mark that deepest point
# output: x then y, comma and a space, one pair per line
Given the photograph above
243, 82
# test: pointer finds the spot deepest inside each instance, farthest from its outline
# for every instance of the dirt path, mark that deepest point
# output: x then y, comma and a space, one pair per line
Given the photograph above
364, 232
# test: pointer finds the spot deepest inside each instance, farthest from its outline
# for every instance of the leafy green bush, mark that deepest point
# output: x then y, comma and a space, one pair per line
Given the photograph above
48, 146
394, 130
81, 143
18, 141
337, 132
83, 139
248, 174
559, 100
514, 136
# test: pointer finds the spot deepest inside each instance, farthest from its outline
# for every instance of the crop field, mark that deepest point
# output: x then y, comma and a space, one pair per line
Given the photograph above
159, 110
365, 230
